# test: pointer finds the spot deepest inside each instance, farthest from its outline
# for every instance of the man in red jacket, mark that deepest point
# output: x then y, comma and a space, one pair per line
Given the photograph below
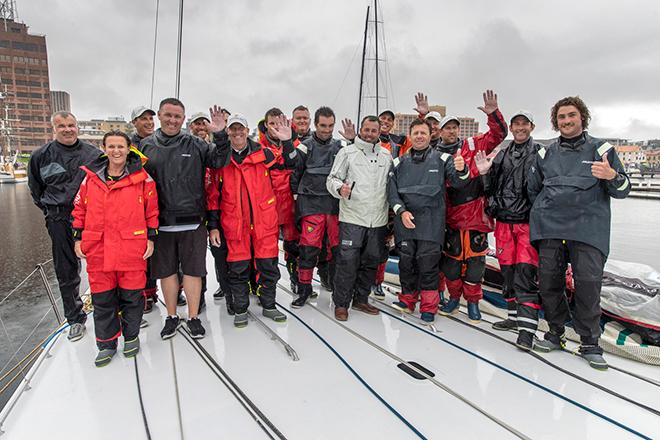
280, 177
466, 241
249, 219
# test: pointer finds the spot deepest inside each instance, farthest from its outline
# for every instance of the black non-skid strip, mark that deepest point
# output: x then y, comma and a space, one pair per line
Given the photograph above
355, 373
240, 396
414, 373
139, 390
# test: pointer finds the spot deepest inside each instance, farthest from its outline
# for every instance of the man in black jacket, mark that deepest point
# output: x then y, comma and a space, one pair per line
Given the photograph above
506, 188
416, 193
315, 207
54, 176
177, 162
570, 185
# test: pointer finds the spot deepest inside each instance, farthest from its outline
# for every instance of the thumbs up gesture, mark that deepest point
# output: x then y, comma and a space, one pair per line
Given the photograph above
603, 170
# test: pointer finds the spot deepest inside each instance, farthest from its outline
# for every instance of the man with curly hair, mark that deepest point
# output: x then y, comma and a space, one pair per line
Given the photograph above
570, 185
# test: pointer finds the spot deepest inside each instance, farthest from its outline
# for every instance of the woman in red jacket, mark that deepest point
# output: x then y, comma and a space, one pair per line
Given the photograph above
115, 218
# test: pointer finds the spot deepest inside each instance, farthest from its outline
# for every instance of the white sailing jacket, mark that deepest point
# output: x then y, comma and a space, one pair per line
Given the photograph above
365, 167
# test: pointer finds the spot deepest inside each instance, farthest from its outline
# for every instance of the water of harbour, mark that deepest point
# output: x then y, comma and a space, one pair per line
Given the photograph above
24, 242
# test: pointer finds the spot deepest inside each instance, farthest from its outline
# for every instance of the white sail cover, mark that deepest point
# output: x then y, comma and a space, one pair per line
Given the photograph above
632, 291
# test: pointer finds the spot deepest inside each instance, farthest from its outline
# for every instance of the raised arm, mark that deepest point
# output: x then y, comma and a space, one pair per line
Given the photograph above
497, 130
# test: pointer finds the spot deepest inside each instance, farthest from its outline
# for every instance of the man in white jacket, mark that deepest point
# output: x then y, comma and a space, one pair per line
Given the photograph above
359, 179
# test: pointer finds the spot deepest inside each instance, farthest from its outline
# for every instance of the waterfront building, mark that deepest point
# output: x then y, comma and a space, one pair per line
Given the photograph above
24, 85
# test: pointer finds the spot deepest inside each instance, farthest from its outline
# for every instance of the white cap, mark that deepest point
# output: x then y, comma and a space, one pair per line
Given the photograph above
434, 115
525, 114
139, 111
387, 110
448, 119
237, 118
200, 115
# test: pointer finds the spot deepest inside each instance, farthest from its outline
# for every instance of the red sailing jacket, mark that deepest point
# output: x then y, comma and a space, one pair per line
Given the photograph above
115, 217
466, 206
280, 177
246, 201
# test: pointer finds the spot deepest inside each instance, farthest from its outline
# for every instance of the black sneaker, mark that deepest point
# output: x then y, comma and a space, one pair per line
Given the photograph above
170, 327
181, 300
525, 340
506, 325
218, 294
195, 328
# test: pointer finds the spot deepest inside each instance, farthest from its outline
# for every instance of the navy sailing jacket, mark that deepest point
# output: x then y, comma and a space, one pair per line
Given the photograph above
569, 203
417, 184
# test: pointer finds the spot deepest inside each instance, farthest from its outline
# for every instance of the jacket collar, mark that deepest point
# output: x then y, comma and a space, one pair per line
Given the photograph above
364, 145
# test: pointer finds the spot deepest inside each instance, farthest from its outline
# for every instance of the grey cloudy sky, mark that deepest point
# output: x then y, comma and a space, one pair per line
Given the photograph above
252, 55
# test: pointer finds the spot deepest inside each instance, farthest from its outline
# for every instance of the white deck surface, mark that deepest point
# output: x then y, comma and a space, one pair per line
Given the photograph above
318, 396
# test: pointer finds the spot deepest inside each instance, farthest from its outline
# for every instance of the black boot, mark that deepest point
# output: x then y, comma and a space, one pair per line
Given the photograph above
304, 292
292, 268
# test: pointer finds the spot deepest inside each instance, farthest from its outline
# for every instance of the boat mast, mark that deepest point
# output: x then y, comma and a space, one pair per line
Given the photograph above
178, 52
364, 54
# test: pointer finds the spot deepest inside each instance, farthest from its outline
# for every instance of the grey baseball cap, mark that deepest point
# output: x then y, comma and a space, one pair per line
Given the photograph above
139, 111
448, 119
523, 113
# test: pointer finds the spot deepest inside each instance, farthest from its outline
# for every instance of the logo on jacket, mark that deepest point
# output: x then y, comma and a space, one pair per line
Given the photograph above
185, 155
310, 228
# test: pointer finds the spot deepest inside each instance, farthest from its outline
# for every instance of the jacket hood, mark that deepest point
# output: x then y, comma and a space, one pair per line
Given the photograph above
134, 162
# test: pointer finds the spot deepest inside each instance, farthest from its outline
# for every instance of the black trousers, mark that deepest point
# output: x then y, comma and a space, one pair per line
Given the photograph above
419, 265
521, 292
116, 312
67, 267
360, 251
587, 263
239, 279
220, 259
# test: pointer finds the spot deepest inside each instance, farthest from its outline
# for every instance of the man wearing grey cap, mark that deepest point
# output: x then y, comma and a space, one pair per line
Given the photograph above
142, 119
505, 178
198, 126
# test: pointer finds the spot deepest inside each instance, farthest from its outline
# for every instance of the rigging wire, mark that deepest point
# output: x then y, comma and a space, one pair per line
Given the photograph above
153, 62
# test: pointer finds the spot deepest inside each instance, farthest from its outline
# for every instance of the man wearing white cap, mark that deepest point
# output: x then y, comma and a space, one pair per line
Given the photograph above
466, 241
506, 176
434, 118
249, 220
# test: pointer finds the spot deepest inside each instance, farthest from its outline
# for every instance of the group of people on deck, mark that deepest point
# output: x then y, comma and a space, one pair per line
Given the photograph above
145, 208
